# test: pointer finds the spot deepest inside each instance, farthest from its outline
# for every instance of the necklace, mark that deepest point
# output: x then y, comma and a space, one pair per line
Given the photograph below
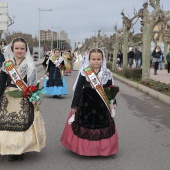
96, 70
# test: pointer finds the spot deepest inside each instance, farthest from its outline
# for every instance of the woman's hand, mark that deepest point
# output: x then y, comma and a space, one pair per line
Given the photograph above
112, 106
73, 111
34, 102
47, 74
72, 118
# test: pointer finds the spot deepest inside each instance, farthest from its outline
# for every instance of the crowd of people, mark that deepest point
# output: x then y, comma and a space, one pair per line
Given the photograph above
90, 123
90, 128
135, 58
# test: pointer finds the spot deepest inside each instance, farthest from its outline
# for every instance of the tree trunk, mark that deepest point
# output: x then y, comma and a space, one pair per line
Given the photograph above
115, 53
125, 46
146, 53
0, 35
165, 51
106, 54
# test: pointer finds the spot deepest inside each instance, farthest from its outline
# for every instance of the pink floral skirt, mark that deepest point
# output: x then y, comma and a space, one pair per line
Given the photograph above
104, 147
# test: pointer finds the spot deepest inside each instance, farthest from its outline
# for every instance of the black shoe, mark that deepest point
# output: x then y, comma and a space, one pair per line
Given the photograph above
55, 96
20, 157
12, 158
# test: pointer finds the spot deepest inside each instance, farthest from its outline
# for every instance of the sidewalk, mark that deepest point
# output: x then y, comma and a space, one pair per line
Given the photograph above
163, 76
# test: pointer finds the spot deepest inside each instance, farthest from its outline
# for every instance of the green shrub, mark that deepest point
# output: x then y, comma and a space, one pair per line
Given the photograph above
157, 85
133, 73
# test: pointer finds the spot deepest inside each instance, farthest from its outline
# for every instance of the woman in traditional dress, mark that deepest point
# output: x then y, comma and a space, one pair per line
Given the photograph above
77, 61
3, 46
46, 57
55, 84
67, 61
21, 125
90, 129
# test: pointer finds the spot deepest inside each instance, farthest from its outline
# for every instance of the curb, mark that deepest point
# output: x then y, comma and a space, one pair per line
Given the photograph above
155, 94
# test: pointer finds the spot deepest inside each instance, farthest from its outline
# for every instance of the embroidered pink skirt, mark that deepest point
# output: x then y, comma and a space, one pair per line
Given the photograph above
104, 147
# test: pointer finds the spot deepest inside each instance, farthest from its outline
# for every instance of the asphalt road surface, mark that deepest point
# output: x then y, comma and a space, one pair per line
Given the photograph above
143, 125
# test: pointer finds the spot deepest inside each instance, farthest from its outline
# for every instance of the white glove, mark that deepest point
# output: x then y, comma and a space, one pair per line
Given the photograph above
46, 77
71, 120
113, 113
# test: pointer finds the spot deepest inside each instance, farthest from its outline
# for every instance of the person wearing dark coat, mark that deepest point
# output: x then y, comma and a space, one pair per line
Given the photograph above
120, 58
131, 57
156, 58
2, 59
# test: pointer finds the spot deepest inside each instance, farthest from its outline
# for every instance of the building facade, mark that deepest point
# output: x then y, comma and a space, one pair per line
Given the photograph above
48, 35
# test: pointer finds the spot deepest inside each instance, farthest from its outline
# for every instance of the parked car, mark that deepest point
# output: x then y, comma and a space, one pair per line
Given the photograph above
35, 56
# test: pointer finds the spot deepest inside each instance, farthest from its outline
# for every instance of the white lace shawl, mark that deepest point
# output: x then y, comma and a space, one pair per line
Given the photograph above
23, 71
27, 67
104, 75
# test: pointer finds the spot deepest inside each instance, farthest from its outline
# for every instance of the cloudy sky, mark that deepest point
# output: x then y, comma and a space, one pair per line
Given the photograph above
79, 18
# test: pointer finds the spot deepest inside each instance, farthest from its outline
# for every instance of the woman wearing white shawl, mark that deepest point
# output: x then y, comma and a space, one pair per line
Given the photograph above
90, 129
77, 62
21, 126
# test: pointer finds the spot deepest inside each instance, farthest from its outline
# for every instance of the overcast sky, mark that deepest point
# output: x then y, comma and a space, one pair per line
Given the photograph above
79, 18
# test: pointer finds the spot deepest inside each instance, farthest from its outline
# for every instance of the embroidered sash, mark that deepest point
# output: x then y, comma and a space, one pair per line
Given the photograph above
14, 75
96, 84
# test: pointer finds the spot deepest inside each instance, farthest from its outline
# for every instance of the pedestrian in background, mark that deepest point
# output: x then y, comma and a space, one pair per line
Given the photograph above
138, 57
3, 45
168, 61
160, 62
131, 57
2, 59
21, 126
46, 57
90, 129
120, 59
55, 85
156, 58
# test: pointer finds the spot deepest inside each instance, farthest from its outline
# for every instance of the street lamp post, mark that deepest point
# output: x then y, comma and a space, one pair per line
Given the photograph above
40, 10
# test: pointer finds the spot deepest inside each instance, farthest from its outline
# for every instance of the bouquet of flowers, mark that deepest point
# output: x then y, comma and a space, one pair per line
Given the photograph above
111, 93
32, 93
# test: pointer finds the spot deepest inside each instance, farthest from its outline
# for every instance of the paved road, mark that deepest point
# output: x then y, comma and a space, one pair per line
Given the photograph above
144, 135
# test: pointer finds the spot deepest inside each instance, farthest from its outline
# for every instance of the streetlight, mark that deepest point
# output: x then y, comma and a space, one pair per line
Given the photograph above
40, 10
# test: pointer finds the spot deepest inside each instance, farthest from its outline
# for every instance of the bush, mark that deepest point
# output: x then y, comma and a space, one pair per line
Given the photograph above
133, 73
157, 85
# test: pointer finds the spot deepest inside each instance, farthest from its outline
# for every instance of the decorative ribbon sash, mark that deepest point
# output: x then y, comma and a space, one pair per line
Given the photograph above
95, 82
14, 75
